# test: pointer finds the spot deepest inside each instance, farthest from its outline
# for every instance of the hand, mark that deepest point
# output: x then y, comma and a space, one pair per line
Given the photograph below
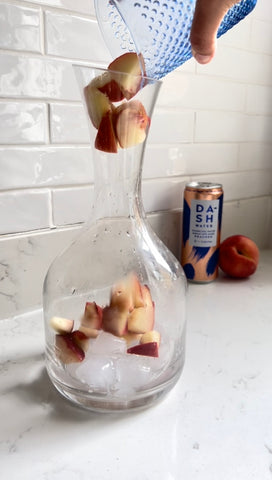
207, 18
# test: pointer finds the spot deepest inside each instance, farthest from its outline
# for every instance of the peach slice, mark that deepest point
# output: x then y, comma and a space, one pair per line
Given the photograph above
131, 337
106, 84
105, 139
89, 332
136, 289
130, 64
141, 319
61, 325
147, 349
112, 90
67, 350
80, 339
115, 321
131, 123
147, 296
98, 104
152, 336
121, 296
92, 317
125, 296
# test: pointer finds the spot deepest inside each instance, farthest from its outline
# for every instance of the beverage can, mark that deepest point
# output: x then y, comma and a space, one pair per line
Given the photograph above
202, 220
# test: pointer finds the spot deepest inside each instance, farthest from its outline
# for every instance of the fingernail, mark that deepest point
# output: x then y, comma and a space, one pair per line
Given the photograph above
202, 58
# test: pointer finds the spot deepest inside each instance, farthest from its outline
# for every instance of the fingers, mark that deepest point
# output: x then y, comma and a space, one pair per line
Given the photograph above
207, 18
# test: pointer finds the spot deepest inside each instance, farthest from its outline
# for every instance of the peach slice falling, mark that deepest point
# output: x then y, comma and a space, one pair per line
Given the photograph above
125, 125
131, 123
105, 139
107, 85
98, 104
130, 64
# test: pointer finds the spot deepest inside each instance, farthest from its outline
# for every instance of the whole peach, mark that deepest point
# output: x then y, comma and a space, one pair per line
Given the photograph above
238, 256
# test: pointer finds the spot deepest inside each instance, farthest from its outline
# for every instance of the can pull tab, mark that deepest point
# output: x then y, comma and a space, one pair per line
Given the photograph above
158, 29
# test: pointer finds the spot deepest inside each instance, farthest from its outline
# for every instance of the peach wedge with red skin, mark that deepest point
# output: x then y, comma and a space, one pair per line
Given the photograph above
92, 317
131, 123
106, 84
105, 139
67, 349
129, 64
115, 321
80, 339
238, 256
112, 91
150, 349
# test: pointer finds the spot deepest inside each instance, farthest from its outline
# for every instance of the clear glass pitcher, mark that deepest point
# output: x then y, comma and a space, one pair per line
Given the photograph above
114, 301
159, 30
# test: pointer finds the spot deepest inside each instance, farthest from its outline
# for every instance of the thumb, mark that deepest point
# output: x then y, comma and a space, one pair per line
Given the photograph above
207, 18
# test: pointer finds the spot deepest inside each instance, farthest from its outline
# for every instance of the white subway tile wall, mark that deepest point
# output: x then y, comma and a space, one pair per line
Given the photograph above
68, 124
71, 36
20, 28
80, 6
23, 123
24, 210
211, 122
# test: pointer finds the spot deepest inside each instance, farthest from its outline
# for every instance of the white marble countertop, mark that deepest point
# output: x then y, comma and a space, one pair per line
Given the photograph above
216, 424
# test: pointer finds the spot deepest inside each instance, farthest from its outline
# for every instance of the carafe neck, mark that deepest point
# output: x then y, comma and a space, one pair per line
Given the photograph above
117, 183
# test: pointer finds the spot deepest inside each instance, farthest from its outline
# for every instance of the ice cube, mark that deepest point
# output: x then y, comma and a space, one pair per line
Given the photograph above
108, 344
165, 354
107, 368
133, 373
98, 372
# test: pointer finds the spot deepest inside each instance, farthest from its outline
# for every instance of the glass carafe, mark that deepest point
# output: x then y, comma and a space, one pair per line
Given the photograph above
114, 301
